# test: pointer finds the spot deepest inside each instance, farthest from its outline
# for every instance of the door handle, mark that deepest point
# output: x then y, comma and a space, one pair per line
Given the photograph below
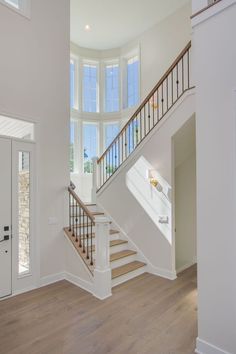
6, 238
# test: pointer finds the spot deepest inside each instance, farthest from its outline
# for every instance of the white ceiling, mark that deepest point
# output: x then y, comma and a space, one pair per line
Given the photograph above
116, 22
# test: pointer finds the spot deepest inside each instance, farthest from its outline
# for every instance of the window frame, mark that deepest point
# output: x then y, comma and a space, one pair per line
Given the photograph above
24, 7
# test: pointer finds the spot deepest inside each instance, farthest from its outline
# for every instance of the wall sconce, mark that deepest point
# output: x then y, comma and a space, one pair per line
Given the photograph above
153, 181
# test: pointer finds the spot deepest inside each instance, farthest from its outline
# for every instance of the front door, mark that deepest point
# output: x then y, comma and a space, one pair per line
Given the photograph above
5, 218
17, 241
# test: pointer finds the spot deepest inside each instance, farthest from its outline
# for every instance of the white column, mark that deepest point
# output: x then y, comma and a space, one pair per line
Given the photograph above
102, 272
95, 180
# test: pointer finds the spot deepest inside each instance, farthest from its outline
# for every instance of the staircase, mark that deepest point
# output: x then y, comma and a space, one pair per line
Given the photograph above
124, 261
105, 251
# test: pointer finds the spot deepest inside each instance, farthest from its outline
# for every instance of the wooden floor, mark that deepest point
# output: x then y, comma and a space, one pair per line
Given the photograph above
145, 315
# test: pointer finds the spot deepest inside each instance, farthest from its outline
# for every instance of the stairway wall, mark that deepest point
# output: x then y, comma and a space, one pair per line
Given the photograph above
214, 59
136, 206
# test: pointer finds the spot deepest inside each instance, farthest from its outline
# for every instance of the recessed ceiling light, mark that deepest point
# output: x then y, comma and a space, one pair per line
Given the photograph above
87, 28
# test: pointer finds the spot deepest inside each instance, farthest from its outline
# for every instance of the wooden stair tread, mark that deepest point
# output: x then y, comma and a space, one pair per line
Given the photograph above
127, 268
117, 242
121, 254
90, 204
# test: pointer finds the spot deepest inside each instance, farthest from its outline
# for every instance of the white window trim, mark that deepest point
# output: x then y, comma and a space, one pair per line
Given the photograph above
24, 10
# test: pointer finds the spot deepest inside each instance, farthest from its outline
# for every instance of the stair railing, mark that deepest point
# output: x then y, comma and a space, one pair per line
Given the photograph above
81, 222
174, 83
84, 227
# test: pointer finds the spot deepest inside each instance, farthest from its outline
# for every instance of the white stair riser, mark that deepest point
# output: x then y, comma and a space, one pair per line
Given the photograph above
123, 261
128, 276
119, 248
112, 237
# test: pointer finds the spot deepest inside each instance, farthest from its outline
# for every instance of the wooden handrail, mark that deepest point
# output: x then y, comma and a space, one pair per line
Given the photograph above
150, 95
82, 205
204, 9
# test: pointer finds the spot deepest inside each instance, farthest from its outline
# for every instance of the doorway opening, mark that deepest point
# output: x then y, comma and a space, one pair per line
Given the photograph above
185, 196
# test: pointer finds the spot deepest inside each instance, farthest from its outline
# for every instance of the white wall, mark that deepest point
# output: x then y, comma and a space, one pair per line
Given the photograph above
135, 205
215, 58
161, 45
34, 84
185, 213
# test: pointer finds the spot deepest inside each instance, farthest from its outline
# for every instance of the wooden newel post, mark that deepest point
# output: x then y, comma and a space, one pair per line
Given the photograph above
102, 271
95, 180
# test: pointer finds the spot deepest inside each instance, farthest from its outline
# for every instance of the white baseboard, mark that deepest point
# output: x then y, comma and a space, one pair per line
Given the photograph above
50, 279
18, 292
204, 347
160, 272
83, 284
186, 266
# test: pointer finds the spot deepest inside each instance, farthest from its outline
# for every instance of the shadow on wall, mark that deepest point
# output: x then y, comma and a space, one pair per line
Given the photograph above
157, 204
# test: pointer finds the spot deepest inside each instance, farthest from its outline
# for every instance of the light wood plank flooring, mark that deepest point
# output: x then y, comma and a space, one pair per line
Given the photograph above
147, 315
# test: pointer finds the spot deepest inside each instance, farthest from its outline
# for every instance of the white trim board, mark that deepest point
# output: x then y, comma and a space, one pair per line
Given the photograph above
204, 347
212, 11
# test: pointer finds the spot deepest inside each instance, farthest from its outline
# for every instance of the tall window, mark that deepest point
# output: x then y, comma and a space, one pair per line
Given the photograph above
72, 146
24, 212
111, 131
90, 145
90, 88
72, 83
133, 81
112, 88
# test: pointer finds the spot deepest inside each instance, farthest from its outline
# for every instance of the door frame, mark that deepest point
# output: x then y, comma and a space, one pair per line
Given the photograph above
35, 279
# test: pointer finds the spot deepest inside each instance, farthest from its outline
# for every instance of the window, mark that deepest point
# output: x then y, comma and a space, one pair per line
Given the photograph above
20, 6
72, 83
111, 131
72, 146
90, 88
90, 145
112, 88
24, 213
132, 81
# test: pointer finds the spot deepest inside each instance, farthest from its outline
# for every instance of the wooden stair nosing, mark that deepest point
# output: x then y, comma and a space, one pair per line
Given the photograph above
122, 254
127, 268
